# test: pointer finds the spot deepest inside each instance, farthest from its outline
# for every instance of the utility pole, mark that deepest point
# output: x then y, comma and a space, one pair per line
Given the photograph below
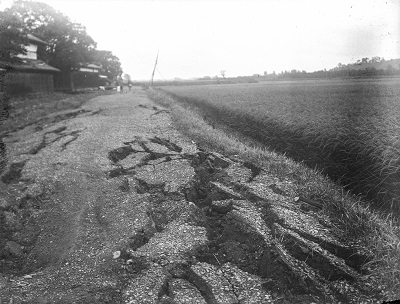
152, 75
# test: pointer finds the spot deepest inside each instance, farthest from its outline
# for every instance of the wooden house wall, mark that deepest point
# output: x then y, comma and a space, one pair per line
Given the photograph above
70, 81
29, 82
63, 81
86, 79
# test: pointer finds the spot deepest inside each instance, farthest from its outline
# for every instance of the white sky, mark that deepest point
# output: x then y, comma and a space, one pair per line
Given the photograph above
198, 38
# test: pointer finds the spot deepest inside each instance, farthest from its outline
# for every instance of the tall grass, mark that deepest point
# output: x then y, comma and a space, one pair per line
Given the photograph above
344, 130
378, 234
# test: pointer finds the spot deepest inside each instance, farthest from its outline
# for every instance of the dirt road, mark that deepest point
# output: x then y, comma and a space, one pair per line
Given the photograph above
83, 214
108, 203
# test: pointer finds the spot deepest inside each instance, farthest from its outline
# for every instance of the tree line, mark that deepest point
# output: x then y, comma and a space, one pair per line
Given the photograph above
68, 44
365, 67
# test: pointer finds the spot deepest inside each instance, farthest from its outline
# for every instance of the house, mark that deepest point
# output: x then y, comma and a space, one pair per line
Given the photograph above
32, 75
86, 76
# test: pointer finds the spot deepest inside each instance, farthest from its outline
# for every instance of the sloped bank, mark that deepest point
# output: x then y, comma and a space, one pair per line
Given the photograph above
226, 231
232, 234
350, 218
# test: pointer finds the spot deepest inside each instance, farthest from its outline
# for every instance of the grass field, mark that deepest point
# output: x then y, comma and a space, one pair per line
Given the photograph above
348, 129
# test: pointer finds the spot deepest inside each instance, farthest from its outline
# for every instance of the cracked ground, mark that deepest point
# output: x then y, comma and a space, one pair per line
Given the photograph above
110, 204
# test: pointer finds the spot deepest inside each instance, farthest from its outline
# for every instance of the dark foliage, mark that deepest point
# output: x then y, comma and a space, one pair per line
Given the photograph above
12, 40
68, 43
111, 66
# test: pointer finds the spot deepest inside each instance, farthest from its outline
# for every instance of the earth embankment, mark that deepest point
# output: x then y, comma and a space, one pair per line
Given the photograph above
109, 203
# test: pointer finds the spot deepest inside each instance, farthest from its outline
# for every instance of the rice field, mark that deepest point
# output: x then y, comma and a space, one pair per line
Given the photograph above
348, 129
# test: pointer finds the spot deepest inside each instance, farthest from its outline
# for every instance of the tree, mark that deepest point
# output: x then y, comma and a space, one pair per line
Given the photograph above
364, 60
12, 39
127, 78
390, 69
376, 59
12, 43
223, 73
110, 64
68, 43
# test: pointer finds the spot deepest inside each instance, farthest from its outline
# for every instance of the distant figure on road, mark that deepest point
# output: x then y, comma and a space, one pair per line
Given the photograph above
130, 85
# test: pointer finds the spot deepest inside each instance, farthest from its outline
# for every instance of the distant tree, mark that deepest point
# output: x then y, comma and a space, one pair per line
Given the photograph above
375, 59
68, 43
265, 73
12, 39
127, 78
110, 64
390, 68
223, 73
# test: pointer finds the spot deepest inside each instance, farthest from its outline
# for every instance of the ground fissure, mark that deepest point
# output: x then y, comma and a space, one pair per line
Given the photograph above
244, 232
154, 219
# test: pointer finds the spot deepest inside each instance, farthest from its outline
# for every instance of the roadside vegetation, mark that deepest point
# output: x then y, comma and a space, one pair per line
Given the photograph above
27, 109
376, 234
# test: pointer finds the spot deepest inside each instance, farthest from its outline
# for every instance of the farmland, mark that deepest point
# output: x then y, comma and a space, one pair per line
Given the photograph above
348, 129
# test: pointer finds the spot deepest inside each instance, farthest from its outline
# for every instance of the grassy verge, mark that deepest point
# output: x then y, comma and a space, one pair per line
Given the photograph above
378, 235
25, 110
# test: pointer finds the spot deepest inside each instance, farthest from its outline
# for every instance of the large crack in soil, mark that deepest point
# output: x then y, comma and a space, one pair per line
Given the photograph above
21, 212
60, 134
219, 238
14, 171
19, 229
246, 233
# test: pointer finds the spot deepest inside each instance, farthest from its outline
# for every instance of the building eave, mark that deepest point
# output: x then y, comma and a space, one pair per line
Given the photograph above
30, 65
35, 39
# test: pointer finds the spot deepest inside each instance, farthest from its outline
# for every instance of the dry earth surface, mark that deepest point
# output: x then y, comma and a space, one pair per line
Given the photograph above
108, 203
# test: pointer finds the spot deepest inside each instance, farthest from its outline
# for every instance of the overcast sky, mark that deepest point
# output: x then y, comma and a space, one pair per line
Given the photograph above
200, 38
